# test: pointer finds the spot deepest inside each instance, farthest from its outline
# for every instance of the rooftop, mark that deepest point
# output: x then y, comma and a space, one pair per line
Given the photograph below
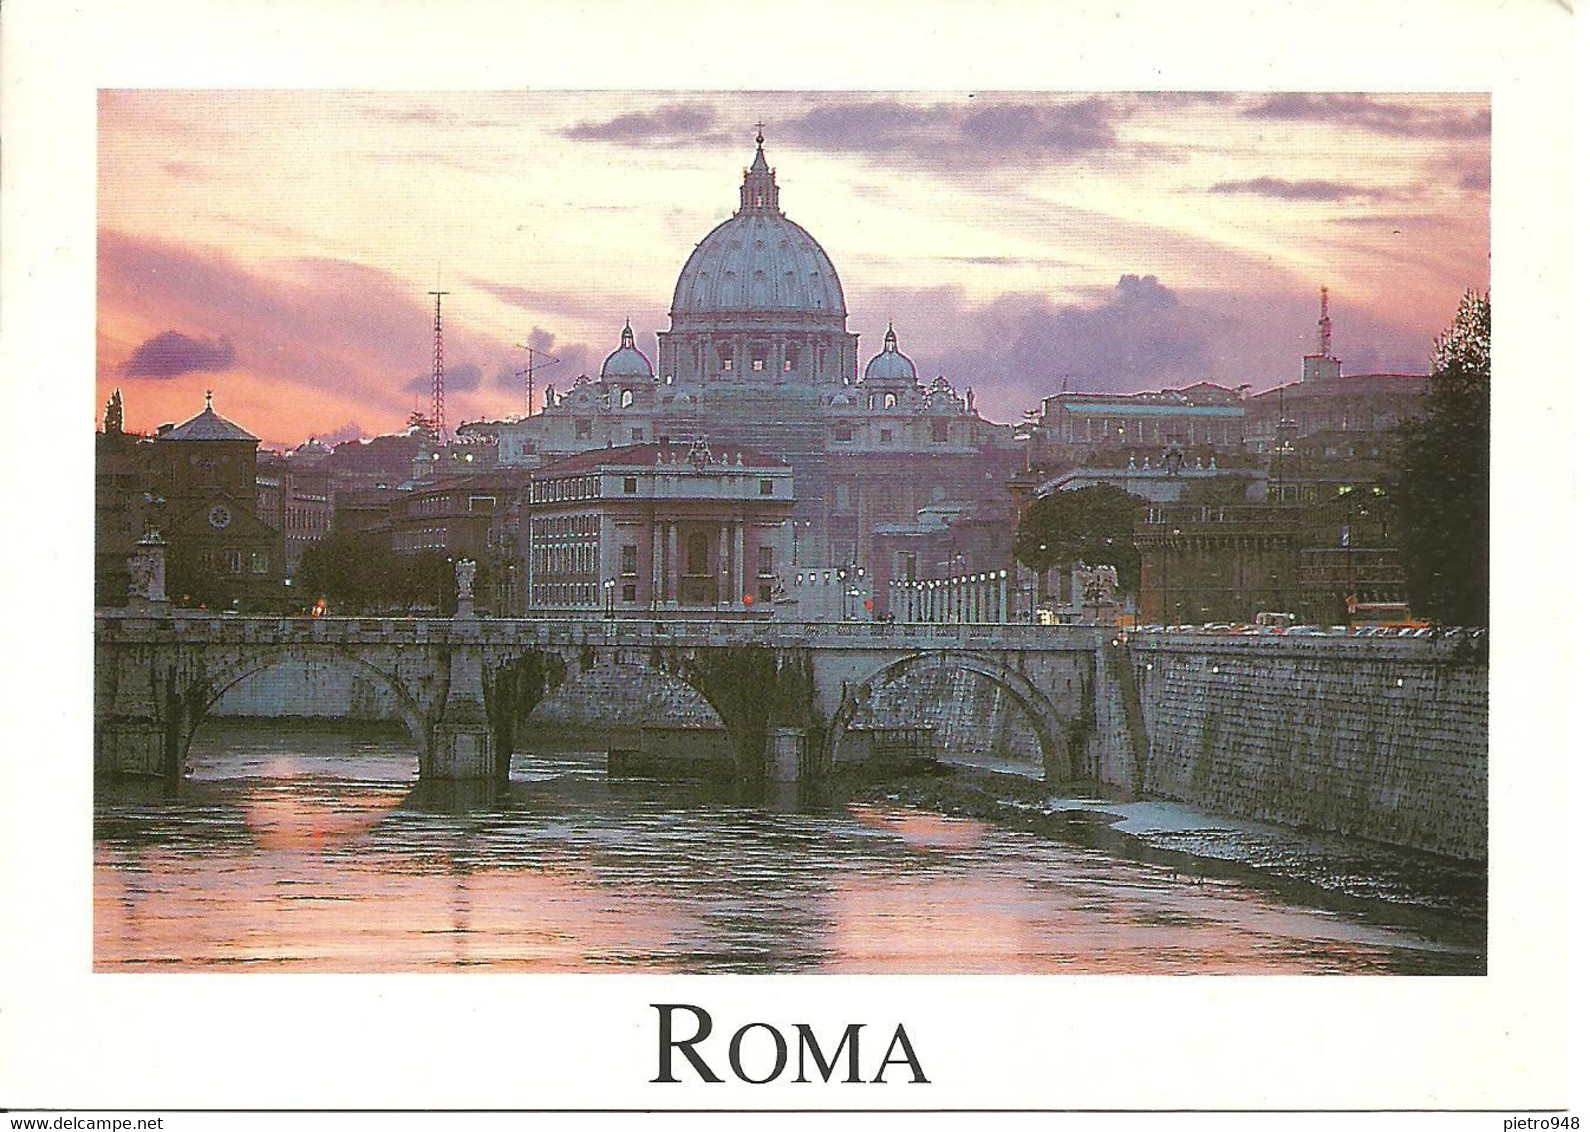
661, 453
208, 425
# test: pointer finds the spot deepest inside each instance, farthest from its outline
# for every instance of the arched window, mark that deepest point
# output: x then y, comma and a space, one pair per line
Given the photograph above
626, 399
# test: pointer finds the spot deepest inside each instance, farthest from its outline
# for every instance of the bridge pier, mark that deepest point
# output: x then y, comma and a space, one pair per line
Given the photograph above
137, 747
463, 746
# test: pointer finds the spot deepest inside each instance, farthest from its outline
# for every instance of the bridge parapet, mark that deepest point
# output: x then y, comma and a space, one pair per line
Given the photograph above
1281, 645
185, 627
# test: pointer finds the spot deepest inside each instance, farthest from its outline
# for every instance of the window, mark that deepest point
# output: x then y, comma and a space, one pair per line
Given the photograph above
234, 561
630, 485
764, 487
636, 435
764, 562
629, 561
889, 400
758, 365
842, 433
582, 428
629, 591
764, 591
886, 436
941, 432
626, 399
696, 554
259, 562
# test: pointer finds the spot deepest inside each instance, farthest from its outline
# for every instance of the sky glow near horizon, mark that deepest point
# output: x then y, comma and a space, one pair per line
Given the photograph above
278, 246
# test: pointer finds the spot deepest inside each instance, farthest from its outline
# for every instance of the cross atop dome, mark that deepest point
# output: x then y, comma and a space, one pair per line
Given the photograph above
891, 344
759, 193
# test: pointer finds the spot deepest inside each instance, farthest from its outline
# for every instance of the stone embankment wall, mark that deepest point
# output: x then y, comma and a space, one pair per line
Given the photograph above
1382, 739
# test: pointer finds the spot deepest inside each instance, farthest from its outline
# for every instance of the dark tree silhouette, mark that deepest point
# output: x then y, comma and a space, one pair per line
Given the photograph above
1441, 482
1092, 525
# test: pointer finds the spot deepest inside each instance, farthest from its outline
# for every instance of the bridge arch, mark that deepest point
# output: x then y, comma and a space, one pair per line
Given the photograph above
207, 691
1048, 724
621, 693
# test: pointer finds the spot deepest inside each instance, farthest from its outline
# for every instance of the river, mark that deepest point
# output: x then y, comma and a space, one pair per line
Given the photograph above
306, 848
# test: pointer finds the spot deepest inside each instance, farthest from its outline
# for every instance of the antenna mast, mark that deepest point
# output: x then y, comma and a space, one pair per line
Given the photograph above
438, 383
1324, 322
529, 374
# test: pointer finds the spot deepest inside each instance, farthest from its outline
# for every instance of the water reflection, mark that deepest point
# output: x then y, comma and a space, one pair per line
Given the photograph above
311, 850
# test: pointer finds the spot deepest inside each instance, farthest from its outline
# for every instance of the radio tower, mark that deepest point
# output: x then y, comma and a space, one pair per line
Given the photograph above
438, 383
1324, 322
529, 373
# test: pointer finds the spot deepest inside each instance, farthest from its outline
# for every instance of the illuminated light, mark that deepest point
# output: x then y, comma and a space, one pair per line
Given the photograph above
1215, 670
748, 599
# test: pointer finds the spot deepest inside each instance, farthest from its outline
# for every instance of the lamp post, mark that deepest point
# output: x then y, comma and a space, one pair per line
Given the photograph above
608, 595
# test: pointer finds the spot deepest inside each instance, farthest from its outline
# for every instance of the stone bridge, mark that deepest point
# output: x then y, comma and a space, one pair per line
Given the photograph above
786, 692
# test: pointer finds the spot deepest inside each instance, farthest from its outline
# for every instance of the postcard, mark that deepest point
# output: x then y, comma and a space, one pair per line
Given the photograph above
991, 583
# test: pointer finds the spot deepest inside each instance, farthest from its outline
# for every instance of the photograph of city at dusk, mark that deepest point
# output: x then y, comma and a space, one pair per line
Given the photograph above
805, 532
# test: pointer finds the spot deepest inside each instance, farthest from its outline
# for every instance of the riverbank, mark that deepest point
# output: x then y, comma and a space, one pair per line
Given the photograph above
1444, 898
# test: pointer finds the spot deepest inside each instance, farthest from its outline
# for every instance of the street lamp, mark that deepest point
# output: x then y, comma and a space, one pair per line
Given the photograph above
607, 596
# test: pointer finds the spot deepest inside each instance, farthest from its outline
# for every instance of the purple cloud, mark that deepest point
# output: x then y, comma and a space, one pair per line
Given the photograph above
1379, 114
1139, 335
675, 124
172, 354
462, 378
1278, 189
997, 128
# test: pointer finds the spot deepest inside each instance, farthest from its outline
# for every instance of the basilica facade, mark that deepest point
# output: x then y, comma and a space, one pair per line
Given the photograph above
757, 354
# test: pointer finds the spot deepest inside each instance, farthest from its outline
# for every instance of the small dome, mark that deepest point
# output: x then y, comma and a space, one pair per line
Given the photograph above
626, 361
891, 366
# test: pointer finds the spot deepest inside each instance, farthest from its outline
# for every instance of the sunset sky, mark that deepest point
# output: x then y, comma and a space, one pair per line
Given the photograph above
278, 246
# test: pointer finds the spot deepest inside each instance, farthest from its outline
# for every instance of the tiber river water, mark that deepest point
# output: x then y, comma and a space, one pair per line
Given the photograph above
304, 849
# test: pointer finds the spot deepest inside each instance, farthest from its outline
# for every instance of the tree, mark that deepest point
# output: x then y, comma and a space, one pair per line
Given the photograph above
1092, 525
355, 574
1441, 481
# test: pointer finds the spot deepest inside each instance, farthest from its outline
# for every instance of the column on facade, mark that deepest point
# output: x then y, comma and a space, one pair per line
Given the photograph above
672, 564
655, 597
739, 565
